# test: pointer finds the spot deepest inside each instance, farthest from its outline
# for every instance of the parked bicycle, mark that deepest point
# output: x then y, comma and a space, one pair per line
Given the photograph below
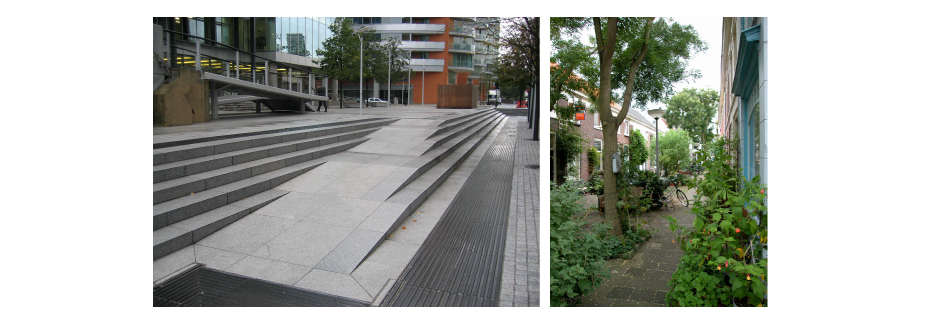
672, 192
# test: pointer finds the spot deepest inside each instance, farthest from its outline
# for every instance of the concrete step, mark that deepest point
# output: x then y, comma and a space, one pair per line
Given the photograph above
462, 116
463, 119
402, 176
179, 169
356, 247
176, 210
182, 150
454, 131
309, 149
181, 234
511, 111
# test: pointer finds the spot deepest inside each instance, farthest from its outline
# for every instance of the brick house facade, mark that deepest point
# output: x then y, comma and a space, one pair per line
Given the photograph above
594, 136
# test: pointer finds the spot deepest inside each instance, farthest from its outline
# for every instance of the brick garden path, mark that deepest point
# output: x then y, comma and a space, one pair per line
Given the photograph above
643, 280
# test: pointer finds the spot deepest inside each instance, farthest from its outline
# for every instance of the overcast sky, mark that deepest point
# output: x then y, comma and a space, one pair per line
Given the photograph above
709, 62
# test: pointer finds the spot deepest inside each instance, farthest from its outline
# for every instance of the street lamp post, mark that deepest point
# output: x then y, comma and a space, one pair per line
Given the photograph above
656, 114
409, 80
359, 33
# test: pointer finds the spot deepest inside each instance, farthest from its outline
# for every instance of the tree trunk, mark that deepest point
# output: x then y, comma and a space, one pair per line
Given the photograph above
612, 215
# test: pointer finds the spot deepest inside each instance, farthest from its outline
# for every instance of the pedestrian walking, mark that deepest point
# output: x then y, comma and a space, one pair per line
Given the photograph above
322, 92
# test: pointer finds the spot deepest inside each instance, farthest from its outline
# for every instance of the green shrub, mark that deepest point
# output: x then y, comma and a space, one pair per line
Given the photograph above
577, 256
723, 264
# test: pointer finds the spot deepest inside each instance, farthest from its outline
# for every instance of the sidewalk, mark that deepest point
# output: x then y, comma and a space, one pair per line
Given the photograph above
520, 278
643, 280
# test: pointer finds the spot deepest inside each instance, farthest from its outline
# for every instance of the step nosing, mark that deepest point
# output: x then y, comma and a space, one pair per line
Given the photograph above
249, 135
173, 183
186, 201
241, 152
429, 163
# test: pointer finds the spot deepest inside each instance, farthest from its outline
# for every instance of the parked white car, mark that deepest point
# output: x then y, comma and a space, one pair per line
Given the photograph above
376, 102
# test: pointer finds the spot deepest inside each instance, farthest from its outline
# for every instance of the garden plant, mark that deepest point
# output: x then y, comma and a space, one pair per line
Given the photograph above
725, 262
578, 249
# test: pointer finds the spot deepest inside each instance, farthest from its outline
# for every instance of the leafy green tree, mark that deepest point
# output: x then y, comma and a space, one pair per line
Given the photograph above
390, 56
674, 150
693, 110
640, 57
341, 52
563, 79
512, 74
568, 146
638, 149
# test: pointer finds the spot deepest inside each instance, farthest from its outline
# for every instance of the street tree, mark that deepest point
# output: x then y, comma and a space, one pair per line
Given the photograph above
694, 111
520, 42
341, 52
564, 81
674, 152
512, 74
637, 59
391, 57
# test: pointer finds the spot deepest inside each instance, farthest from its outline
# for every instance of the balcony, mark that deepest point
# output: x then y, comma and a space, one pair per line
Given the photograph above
462, 29
462, 47
479, 62
477, 73
404, 28
429, 65
461, 66
422, 46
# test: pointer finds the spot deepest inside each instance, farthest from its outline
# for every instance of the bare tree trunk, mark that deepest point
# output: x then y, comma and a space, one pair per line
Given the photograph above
612, 215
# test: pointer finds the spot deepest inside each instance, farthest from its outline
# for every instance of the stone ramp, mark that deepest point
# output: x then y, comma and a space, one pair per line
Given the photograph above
326, 221
201, 187
460, 264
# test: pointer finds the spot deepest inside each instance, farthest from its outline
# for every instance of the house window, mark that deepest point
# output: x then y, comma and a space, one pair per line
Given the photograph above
599, 145
597, 121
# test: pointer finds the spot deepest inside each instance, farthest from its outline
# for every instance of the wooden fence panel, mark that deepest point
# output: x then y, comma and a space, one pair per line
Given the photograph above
457, 96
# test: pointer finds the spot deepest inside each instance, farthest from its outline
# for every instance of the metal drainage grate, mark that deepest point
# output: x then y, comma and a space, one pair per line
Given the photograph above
204, 287
533, 166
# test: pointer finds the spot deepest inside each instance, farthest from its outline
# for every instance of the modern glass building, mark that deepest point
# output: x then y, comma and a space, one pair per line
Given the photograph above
247, 47
281, 52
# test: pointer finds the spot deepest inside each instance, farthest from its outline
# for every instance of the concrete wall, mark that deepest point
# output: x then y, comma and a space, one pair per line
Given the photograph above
182, 102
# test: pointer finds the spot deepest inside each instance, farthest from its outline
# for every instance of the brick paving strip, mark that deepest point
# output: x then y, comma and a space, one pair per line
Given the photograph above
520, 282
643, 280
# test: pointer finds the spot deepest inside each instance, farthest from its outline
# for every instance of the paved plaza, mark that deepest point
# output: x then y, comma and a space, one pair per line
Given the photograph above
319, 232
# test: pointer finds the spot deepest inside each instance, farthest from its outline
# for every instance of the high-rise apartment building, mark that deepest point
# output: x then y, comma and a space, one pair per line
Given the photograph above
444, 50
295, 45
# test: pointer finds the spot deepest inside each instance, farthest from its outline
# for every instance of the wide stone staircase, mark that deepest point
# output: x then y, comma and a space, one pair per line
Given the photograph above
444, 147
203, 186
200, 188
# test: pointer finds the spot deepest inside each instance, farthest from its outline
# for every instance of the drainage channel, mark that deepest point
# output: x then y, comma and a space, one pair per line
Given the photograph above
460, 263
204, 287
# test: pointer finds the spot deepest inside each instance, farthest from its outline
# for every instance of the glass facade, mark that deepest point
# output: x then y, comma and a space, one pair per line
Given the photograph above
295, 38
461, 60
460, 43
300, 36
